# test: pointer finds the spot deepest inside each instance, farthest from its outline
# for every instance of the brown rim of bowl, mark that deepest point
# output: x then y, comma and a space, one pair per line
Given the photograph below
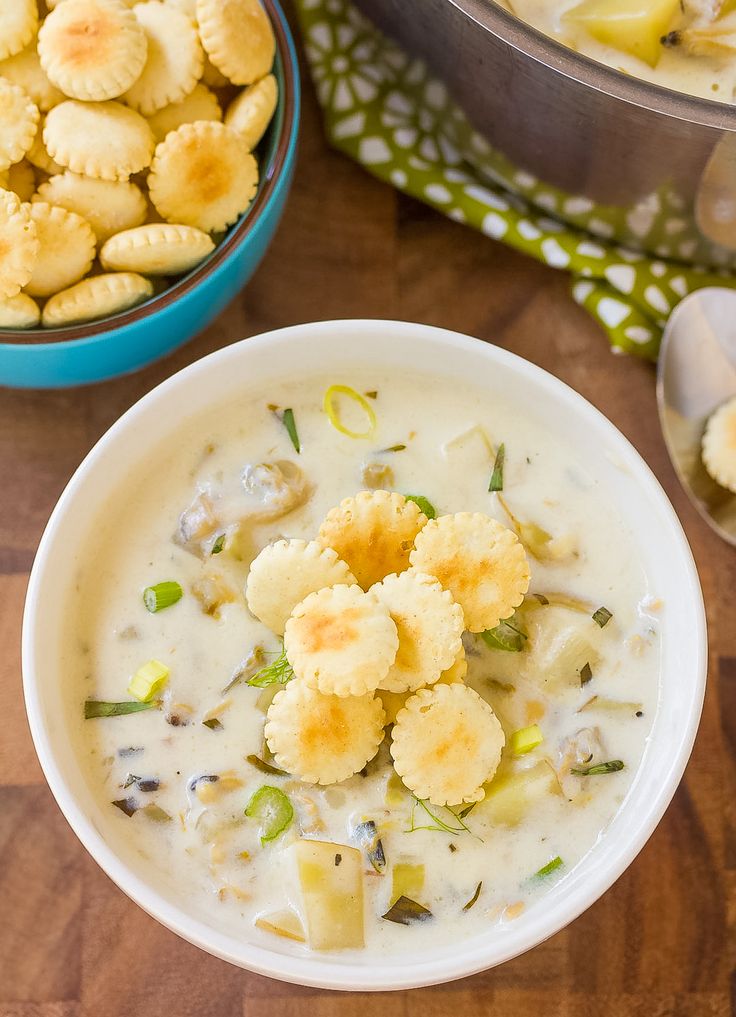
70, 333
636, 91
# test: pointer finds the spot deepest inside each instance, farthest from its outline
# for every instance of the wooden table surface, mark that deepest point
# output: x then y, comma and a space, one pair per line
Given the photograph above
660, 942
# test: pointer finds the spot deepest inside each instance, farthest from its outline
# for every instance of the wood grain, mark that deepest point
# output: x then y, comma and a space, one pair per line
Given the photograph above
660, 943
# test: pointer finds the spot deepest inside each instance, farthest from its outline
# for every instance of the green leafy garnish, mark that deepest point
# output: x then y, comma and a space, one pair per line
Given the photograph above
474, 898
602, 616
424, 504
162, 595
406, 911
273, 808
437, 823
218, 544
496, 483
612, 766
264, 767
506, 636
290, 424
278, 672
247, 668
586, 673
549, 868
98, 708
366, 835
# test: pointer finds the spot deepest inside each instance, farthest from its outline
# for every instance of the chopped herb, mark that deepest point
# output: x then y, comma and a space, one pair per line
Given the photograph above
97, 708
263, 766
218, 544
639, 713
586, 673
506, 636
437, 822
544, 601
474, 898
279, 672
126, 805
602, 616
366, 835
452, 847
162, 595
393, 448
148, 784
549, 868
156, 813
330, 408
372, 395
213, 724
406, 911
289, 423
130, 778
612, 766
338, 859
148, 680
466, 810
273, 808
424, 504
496, 483
247, 668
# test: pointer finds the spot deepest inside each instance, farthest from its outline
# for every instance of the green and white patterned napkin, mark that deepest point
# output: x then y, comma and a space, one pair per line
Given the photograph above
385, 110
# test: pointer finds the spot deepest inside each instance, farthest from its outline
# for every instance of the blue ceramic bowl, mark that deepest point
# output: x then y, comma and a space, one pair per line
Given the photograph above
97, 350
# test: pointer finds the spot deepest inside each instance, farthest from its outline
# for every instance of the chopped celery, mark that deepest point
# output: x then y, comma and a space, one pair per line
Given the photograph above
509, 796
148, 680
162, 595
525, 739
332, 894
273, 808
282, 923
407, 880
424, 504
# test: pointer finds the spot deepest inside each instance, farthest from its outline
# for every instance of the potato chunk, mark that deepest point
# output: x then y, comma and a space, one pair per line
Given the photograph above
634, 26
331, 881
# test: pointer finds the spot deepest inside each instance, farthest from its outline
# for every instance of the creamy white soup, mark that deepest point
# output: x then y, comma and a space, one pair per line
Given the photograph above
686, 45
179, 763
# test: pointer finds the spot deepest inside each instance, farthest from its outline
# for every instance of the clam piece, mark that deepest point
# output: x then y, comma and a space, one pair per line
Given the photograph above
279, 488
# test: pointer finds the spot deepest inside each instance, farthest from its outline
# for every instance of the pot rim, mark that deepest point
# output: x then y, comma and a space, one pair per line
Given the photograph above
529, 41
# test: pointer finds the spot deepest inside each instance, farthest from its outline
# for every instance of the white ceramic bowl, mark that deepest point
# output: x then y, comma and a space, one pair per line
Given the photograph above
338, 347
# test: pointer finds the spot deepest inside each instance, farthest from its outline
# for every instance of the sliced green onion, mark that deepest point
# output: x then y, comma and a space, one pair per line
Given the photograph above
549, 868
586, 673
505, 636
474, 898
424, 504
279, 672
148, 680
273, 808
162, 595
97, 708
602, 616
496, 483
406, 911
263, 766
330, 408
525, 739
393, 448
290, 424
612, 766
218, 544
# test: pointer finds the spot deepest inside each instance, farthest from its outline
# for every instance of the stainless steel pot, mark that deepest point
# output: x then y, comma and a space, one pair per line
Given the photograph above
662, 164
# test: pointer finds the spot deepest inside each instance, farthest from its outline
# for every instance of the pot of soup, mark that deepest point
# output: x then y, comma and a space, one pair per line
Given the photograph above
615, 115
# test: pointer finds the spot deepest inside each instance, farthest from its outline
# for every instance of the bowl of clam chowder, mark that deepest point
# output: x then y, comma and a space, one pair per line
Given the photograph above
363, 654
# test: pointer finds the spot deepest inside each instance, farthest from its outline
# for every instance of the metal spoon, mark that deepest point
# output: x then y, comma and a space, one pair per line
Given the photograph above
696, 372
